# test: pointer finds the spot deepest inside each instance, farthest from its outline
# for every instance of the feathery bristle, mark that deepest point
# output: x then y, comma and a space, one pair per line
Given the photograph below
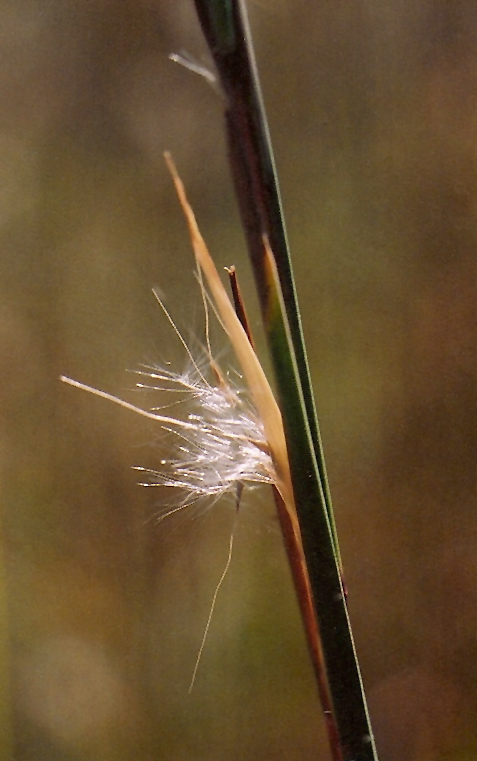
213, 429
223, 445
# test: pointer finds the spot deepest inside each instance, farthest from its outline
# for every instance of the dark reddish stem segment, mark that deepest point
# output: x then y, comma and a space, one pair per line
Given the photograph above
239, 302
305, 601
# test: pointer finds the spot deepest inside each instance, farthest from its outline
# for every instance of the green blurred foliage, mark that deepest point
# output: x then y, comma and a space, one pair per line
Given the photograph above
373, 113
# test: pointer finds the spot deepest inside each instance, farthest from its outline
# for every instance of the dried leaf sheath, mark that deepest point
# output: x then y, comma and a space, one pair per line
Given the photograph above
257, 382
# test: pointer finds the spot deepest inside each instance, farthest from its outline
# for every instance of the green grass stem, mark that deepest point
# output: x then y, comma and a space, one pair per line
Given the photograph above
227, 32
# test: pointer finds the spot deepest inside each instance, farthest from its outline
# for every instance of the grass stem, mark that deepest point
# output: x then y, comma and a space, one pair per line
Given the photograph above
319, 586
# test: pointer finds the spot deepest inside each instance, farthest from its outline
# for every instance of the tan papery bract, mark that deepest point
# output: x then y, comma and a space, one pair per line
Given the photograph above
257, 382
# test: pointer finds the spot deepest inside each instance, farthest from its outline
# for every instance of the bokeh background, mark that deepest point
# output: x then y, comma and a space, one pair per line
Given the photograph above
373, 113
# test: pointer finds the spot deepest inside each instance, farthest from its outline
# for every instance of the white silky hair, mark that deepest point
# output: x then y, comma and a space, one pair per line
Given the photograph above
216, 436
218, 443
221, 444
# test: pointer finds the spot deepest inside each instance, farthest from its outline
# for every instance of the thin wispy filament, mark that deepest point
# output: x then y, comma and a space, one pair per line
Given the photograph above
216, 438
212, 607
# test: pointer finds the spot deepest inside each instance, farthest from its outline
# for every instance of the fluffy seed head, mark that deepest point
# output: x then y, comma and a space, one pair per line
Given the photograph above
216, 436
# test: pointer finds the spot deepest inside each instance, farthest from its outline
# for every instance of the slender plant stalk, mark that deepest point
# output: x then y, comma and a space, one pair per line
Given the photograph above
225, 26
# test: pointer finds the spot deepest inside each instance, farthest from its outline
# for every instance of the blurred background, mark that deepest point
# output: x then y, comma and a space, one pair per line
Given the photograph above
373, 114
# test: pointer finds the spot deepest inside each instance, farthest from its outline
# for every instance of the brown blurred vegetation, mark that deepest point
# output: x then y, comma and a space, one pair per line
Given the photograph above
373, 111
